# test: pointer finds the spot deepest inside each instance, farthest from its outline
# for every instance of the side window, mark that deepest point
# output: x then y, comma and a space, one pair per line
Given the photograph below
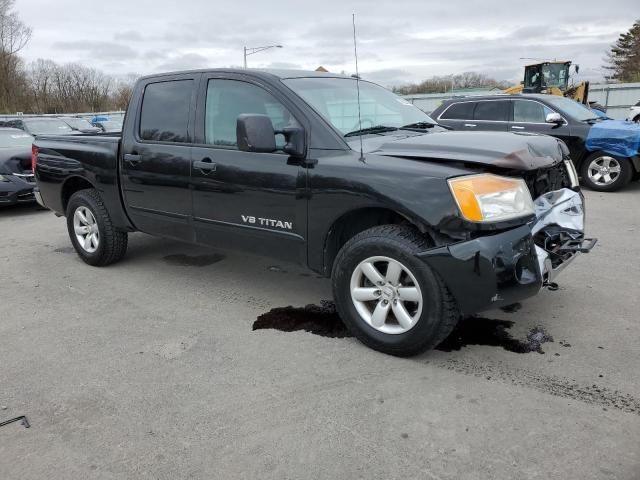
226, 99
530, 112
495, 110
165, 111
459, 111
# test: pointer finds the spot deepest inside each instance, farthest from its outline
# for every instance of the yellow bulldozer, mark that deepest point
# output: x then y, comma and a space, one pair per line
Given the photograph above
551, 78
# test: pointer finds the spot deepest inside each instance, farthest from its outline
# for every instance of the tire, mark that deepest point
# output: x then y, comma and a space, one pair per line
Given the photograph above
434, 315
611, 181
108, 245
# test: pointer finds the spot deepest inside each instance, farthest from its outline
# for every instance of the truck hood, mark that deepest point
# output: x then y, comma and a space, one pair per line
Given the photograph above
519, 151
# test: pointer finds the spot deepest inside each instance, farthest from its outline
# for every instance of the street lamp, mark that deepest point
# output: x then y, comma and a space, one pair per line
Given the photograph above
251, 50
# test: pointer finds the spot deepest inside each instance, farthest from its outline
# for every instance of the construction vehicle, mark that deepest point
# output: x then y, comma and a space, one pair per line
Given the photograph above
551, 78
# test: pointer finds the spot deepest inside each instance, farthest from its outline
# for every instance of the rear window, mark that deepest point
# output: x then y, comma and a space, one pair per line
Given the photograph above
165, 111
494, 110
459, 111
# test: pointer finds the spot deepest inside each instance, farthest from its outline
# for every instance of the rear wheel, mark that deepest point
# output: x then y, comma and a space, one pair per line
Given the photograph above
606, 173
390, 300
92, 233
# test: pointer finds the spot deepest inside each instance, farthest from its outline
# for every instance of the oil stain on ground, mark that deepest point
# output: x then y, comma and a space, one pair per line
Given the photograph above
320, 320
323, 320
488, 331
182, 260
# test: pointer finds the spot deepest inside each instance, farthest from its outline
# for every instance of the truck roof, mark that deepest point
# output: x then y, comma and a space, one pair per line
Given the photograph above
257, 72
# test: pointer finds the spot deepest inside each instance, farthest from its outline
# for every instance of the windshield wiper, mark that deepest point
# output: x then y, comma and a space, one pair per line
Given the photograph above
374, 129
419, 126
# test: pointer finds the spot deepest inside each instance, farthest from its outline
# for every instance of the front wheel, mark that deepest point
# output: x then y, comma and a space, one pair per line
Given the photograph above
389, 299
92, 234
606, 173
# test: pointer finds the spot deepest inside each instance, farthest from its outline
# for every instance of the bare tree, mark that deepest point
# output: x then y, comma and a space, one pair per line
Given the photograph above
14, 36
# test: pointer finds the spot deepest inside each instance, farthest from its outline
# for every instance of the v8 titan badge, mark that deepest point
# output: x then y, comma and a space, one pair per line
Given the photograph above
267, 222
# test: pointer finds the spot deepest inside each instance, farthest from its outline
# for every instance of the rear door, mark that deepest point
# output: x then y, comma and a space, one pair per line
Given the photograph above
246, 200
458, 115
477, 115
155, 161
491, 115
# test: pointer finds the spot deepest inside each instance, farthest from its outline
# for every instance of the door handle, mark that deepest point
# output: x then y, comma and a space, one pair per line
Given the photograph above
470, 125
206, 166
515, 127
132, 159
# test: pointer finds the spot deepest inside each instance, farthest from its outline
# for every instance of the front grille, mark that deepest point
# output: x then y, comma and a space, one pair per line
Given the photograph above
546, 180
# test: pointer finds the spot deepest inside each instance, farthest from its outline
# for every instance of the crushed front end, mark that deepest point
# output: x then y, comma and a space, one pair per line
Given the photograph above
501, 268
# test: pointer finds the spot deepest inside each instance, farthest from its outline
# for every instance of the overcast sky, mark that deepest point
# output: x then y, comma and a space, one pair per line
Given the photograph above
398, 42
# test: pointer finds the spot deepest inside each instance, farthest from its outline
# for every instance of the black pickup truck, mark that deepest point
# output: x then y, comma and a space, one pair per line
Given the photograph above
415, 225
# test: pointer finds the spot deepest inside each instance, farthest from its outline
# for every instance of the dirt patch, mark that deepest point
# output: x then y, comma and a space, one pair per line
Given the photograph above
558, 386
182, 260
65, 250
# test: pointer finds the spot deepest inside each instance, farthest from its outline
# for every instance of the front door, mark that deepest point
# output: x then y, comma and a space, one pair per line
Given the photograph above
530, 116
249, 201
156, 159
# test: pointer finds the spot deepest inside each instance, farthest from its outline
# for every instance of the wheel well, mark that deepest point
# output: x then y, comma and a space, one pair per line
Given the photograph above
352, 223
71, 186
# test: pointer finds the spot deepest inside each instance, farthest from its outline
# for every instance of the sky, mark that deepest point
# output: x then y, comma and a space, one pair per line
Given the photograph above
398, 42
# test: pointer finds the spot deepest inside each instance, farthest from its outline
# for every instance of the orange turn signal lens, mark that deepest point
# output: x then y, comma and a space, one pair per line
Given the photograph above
491, 198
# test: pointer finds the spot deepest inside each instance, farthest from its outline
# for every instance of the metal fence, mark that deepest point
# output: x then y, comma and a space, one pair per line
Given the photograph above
616, 98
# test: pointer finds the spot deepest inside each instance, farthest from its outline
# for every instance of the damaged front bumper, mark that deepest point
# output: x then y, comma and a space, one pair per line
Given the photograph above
500, 269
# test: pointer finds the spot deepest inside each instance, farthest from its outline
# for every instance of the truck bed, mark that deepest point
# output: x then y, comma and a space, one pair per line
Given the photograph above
65, 159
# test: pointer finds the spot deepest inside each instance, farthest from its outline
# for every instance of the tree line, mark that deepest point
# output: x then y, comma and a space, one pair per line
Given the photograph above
444, 84
45, 86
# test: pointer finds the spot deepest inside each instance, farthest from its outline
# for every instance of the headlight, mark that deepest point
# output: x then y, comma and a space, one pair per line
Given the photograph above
3, 178
489, 198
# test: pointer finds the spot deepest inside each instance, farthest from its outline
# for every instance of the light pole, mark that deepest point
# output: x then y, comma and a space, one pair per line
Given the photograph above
251, 50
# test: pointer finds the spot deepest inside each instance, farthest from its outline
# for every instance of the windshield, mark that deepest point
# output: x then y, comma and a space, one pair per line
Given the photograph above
555, 75
14, 138
571, 108
47, 126
336, 99
79, 123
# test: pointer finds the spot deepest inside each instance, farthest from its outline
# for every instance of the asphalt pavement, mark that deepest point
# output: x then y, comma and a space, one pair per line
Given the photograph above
151, 369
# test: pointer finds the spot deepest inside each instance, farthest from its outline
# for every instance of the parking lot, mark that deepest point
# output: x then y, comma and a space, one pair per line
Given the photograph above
150, 369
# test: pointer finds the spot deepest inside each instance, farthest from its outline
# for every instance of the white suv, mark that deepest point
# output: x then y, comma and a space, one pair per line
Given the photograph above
634, 113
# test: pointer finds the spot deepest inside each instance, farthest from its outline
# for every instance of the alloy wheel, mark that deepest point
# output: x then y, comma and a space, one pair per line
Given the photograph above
604, 170
386, 295
86, 229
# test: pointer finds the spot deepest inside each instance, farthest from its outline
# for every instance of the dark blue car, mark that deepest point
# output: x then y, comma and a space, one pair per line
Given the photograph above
606, 152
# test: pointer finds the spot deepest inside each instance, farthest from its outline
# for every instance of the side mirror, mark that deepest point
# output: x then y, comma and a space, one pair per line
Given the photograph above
254, 133
554, 118
295, 145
